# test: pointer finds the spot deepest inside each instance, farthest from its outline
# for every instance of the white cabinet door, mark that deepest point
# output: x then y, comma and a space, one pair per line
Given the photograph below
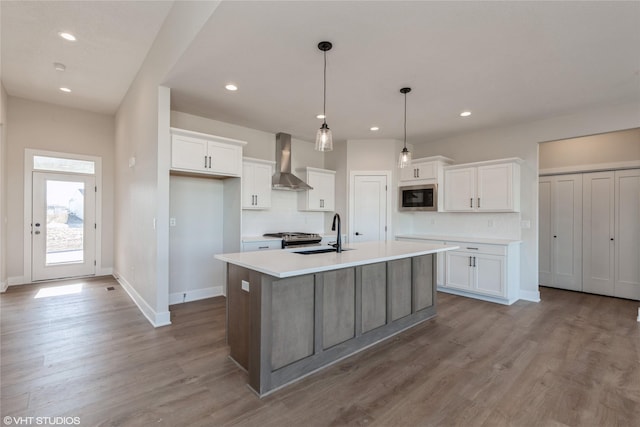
495, 188
460, 190
458, 267
417, 171
189, 153
224, 159
627, 234
256, 185
598, 233
322, 196
489, 273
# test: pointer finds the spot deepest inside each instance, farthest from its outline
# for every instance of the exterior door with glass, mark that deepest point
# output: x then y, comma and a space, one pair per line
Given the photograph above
63, 225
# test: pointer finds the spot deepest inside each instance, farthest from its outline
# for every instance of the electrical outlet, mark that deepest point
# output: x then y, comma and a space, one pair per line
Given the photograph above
245, 286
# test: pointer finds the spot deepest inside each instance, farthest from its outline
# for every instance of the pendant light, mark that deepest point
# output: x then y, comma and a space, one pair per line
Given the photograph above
405, 155
324, 139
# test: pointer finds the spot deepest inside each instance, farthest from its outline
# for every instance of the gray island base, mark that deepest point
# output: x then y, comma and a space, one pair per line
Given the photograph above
281, 329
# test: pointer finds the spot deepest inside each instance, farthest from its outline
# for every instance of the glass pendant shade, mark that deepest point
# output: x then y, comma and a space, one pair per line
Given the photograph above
404, 160
324, 139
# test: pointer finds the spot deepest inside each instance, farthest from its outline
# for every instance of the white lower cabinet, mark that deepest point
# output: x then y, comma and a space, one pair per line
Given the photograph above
487, 269
261, 245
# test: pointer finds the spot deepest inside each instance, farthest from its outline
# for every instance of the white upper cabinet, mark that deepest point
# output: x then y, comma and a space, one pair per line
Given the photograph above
492, 186
197, 152
256, 183
427, 169
322, 197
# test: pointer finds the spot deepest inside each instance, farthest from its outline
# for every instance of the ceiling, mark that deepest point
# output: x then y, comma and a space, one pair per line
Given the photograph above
506, 62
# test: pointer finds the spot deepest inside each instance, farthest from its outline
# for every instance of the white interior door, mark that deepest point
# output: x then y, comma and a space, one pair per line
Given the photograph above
598, 233
63, 233
567, 232
369, 208
627, 234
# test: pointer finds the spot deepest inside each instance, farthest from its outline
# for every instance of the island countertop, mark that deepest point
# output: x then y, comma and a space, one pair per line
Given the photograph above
286, 263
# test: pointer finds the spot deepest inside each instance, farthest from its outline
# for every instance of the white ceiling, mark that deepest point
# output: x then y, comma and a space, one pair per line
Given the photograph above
507, 62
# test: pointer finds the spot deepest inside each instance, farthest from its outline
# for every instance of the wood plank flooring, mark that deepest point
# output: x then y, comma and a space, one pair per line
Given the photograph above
571, 360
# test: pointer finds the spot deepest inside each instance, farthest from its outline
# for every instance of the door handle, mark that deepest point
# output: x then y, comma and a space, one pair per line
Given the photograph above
358, 233
37, 232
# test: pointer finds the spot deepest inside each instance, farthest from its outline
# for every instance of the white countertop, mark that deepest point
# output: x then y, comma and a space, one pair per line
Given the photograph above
285, 263
489, 241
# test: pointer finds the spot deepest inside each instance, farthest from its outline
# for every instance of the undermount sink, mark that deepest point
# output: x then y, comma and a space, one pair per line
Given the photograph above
322, 250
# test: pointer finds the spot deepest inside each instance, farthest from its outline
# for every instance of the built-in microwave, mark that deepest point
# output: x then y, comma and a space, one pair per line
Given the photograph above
418, 197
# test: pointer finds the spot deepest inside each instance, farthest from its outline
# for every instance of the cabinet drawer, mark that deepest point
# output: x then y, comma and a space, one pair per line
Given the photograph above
479, 248
261, 245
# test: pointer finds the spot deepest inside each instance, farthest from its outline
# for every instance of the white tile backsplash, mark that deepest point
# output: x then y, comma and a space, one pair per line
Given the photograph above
283, 216
487, 225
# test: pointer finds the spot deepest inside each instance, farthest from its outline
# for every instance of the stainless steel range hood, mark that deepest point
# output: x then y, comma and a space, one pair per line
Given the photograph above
283, 179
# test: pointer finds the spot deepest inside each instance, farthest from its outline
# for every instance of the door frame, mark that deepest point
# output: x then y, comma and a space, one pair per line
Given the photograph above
27, 212
391, 192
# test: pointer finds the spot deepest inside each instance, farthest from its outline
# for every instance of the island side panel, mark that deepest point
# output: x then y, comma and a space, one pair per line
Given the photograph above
399, 290
423, 271
374, 295
238, 315
338, 306
292, 320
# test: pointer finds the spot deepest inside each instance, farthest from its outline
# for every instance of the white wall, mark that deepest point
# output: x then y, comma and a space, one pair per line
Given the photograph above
284, 214
3, 189
612, 147
49, 127
521, 141
197, 205
142, 192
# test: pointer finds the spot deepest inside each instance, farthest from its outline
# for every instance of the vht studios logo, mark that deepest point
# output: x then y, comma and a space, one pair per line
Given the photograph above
41, 421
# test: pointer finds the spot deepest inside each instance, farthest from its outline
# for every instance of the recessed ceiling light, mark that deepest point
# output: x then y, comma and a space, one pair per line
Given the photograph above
465, 114
231, 87
320, 116
374, 128
67, 36
59, 66
65, 89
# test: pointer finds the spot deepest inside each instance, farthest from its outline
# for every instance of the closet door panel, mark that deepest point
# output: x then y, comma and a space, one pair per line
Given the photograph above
567, 232
598, 233
627, 234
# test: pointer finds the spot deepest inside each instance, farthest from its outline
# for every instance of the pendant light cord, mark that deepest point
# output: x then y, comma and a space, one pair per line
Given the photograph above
324, 90
405, 121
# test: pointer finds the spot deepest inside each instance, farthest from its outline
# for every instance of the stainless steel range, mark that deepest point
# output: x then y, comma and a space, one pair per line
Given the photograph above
296, 239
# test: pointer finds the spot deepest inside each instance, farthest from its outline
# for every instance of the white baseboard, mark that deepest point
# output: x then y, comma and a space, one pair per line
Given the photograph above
4, 285
195, 295
533, 296
17, 280
487, 298
156, 319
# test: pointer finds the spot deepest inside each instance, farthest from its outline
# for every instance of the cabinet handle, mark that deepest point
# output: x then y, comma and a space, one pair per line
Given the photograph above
263, 247
417, 173
475, 249
205, 162
209, 162
470, 262
474, 261
478, 202
256, 200
612, 239
471, 202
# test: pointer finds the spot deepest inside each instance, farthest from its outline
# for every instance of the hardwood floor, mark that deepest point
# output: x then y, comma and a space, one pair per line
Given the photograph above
571, 360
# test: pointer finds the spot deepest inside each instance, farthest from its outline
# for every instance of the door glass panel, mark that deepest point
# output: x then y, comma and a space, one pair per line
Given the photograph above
65, 222
56, 164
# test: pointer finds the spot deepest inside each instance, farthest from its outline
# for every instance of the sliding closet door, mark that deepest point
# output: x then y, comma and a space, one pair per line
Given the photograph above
627, 234
598, 233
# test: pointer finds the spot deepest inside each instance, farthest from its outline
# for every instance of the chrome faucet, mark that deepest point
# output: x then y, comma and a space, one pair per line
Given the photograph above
336, 218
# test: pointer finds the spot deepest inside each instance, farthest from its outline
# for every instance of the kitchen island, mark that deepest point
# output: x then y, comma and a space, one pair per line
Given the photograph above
290, 314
